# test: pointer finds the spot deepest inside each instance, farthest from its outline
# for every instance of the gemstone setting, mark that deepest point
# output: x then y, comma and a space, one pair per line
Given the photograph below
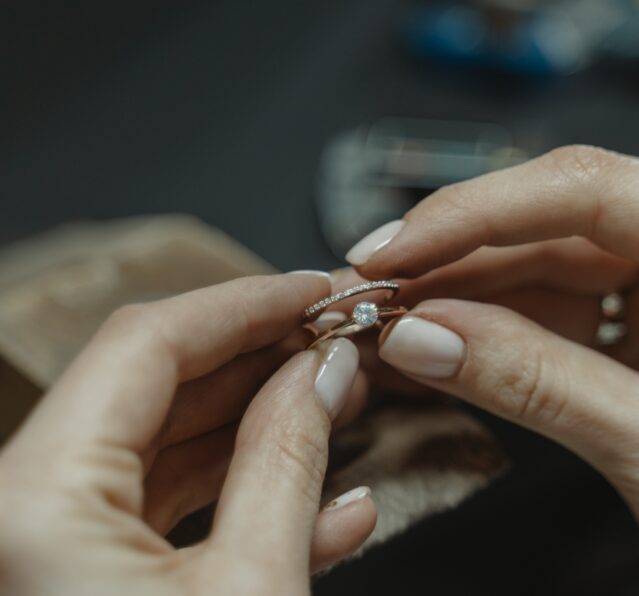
366, 314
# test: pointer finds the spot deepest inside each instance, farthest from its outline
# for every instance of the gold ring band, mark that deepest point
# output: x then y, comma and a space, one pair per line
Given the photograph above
350, 326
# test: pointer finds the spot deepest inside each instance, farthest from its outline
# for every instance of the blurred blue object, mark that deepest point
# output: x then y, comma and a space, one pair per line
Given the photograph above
555, 39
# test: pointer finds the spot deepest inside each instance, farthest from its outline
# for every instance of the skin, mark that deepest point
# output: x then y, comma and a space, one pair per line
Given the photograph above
141, 428
528, 252
140, 431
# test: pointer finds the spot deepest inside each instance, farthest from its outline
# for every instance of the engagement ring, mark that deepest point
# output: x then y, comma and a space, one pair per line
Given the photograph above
364, 316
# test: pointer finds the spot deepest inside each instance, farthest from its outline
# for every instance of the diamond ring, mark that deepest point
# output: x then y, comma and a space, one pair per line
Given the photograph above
312, 311
364, 316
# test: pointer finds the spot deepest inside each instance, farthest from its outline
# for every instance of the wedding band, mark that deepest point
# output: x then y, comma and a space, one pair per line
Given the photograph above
612, 328
312, 311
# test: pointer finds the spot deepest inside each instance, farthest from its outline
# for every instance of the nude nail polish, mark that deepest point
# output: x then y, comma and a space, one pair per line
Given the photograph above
317, 273
361, 492
423, 348
328, 319
375, 241
336, 374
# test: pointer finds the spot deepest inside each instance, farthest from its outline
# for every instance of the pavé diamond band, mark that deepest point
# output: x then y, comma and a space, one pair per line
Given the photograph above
312, 311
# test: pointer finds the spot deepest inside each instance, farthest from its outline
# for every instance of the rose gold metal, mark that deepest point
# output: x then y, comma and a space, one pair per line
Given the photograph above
350, 326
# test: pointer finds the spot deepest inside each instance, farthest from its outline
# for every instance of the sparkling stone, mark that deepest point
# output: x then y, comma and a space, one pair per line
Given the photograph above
365, 314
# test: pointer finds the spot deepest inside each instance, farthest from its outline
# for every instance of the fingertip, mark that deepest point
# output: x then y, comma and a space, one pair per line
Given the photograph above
371, 244
355, 402
320, 281
340, 531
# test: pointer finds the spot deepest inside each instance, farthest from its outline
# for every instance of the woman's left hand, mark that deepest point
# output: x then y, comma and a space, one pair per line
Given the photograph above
514, 231
139, 432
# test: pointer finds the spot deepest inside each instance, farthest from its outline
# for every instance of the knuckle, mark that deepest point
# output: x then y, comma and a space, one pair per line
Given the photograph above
461, 200
581, 163
140, 322
527, 388
125, 318
456, 197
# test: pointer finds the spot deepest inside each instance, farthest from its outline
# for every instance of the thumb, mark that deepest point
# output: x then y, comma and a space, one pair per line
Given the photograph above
267, 512
508, 365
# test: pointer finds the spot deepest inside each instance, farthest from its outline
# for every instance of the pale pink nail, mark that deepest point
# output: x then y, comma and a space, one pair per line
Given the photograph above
423, 348
336, 374
361, 492
328, 319
376, 240
315, 272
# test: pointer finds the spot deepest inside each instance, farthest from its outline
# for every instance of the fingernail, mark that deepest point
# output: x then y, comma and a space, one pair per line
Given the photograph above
336, 274
328, 319
311, 272
361, 492
423, 348
336, 374
379, 238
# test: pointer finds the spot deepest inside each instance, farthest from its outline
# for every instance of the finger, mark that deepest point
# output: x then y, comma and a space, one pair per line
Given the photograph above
380, 374
572, 191
508, 365
121, 386
189, 475
571, 316
576, 318
354, 403
342, 527
569, 264
270, 499
215, 399
212, 401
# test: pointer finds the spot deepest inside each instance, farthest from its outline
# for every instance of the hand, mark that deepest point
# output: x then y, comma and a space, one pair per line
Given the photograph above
525, 218
138, 433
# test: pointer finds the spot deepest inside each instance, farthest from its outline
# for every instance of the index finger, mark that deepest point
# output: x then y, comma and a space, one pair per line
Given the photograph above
120, 387
571, 191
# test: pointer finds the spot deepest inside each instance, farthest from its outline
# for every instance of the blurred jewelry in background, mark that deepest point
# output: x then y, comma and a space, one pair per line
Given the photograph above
374, 174
532, 38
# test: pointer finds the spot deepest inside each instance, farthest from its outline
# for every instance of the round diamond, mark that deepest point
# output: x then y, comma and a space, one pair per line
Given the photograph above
365, 314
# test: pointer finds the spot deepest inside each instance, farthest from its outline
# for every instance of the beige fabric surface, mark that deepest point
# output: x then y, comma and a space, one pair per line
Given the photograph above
56, 289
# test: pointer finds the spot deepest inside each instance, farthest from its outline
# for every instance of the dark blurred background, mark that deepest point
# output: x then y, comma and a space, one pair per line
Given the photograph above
228, 110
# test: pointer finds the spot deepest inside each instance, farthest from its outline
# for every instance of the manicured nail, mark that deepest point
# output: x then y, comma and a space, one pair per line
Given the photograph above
311, 272
336, 374
423, 348
328, 319
336, 274
355, 494
376, 240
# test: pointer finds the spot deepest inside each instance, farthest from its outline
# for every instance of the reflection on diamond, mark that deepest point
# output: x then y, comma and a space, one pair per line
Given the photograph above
365, 314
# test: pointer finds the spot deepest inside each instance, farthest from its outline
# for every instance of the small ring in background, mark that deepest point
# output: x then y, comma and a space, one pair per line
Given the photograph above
612, 328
